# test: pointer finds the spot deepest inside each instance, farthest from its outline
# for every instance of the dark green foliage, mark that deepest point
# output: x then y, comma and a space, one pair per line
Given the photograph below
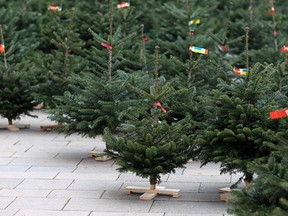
147, 145
268, 195
149, 149
238, 121
16, 89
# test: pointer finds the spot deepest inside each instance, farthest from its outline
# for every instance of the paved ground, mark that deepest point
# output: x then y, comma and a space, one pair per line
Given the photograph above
45, 173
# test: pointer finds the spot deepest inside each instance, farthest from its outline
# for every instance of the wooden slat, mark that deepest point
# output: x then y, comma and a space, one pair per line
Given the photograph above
148, 196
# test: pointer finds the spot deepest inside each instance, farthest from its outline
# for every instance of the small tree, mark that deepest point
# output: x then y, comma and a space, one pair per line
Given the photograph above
269, 192
16, 86
148, 146
237, 118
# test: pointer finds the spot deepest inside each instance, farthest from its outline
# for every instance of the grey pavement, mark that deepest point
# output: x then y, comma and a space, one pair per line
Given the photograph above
47, 173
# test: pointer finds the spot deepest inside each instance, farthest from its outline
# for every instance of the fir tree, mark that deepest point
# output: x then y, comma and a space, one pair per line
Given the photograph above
147, 145
269, 193
17, 80
94, 98
237, 120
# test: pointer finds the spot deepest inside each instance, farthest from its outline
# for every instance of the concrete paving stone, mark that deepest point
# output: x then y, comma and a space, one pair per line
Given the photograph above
210, 187
3, 135
8, 168
28, 175
72, 137
95, 185
84, 143
5, 201
42, 184
45, 162
95, 169
196, 214
195, 178
184, 207
183, 187
72, 153
107, 205
39, 142
38, 203
78, 194
51, 169
203, 172
8, 142
8, 212
10, 183
4, 154
14, 148
5, 161
198, 197
124, 214
27, 212
23, 193
89, 176
30, 154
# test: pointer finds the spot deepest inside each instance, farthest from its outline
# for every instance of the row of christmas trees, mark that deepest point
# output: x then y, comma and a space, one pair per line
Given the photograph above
97, 69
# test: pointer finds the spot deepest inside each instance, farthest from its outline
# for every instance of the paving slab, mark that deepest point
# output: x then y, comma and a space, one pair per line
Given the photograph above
184, 207
58, 169
89, 176
75, 194
196, 214
32, 212
45, 161
5, 161
10, 183
95, 185
39, 203
108, 205
8, 212
197, 178
5, 154
24, 193
6, 201
44, 184
8, 168
28, 175
124, 214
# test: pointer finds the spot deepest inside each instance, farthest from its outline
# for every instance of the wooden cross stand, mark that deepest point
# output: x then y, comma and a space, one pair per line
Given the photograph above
225, 194
150, 193
100, 156
15, 127
45, 128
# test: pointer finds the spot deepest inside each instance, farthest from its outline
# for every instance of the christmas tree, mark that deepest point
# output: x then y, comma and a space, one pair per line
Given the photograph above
237, 120
17, 84
268, 194
147, 145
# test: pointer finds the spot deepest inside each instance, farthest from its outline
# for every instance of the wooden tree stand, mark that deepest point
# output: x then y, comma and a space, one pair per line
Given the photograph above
152, 192
100, 156
225, 194
15, 127
45, 128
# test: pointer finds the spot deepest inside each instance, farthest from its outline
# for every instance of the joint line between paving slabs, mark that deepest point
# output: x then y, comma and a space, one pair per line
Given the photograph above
153, 201
66, 204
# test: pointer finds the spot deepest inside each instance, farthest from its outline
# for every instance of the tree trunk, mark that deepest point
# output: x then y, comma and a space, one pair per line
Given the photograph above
10, 121
248, 180
153, 182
